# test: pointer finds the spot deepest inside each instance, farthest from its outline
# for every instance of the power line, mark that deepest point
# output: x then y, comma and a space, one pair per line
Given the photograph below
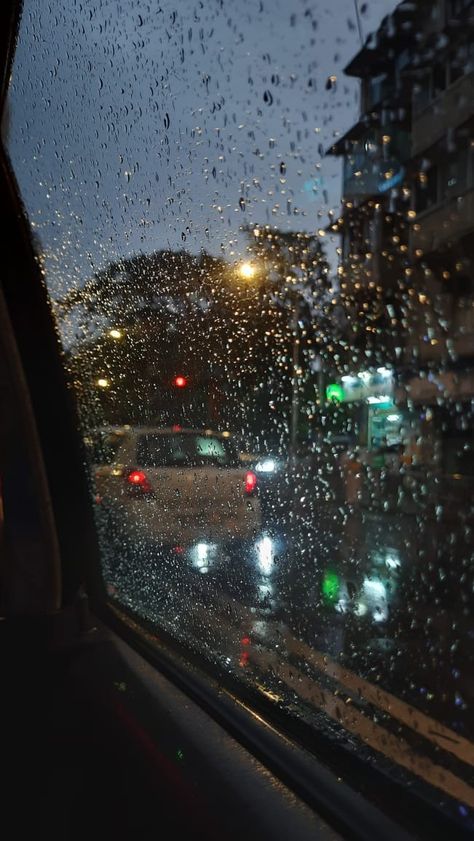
359, 23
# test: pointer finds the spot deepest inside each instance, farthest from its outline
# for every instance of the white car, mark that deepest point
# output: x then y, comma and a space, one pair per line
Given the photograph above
182, 486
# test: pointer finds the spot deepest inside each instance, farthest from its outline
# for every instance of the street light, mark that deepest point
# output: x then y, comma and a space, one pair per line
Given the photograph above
103, 382
114, 333
247, 271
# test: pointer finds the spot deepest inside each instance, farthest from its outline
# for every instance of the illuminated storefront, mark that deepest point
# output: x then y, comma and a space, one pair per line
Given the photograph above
381, 422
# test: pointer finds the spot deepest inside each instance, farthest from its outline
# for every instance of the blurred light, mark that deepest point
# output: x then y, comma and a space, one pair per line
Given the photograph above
201, 560
384, 398
244, 659
385, 372
176, 428
103, 382
330, 586
226, 434
247, 271
375, 599
393, 418
136, 477
202, 550
342, 605
250, 482
268, 465
347, 378
392, 562
138, 480
180, 381
203, 555
334, 391
264, 548
115, 334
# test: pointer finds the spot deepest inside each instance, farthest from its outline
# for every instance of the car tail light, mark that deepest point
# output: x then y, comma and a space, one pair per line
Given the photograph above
250, 483
138, 483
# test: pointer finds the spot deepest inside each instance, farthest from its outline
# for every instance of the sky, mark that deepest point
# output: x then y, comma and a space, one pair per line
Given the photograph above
135, 126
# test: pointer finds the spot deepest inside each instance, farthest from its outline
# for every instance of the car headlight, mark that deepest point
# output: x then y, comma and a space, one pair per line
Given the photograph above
267, 465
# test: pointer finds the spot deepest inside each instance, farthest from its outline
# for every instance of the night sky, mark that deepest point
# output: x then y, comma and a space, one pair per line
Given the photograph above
134, 126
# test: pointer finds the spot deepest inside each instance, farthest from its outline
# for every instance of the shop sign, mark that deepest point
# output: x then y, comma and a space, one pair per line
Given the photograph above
363, 387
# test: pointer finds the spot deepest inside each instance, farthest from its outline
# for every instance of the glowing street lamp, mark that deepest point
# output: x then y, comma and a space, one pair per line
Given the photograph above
114, 333
247, 271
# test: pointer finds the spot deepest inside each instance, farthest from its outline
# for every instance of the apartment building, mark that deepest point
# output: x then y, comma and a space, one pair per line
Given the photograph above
407, 225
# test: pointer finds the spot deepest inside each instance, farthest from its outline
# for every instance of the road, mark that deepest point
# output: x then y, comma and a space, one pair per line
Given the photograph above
364, 616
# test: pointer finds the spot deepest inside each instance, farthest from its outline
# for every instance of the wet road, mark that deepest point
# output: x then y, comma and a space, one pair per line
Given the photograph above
373, 606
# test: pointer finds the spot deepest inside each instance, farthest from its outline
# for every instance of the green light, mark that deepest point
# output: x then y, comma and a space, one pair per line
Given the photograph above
330, 586
334, 391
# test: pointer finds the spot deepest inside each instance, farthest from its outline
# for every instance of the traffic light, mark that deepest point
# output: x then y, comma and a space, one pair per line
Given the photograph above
180, 381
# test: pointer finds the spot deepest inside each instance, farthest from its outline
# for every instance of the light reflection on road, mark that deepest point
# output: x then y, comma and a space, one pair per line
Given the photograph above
357, 586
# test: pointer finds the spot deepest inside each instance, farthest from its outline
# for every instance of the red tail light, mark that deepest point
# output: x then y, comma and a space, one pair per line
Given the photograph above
250, 482
137, 482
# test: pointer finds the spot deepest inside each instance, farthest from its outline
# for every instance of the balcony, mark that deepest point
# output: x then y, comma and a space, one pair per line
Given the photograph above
373, 164
444, 386
427, 342
452, 108
444, 223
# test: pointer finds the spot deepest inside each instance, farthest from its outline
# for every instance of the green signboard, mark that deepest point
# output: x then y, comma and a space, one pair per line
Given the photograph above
334, 391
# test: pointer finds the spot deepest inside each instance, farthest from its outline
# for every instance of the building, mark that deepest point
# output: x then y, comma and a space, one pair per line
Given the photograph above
439, 346
374, 226
407, 228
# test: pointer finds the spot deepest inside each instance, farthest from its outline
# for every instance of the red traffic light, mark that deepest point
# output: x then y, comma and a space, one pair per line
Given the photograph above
180, 381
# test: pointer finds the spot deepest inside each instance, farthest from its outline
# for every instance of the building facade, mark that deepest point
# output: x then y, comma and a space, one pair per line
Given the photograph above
407, 224
374, 226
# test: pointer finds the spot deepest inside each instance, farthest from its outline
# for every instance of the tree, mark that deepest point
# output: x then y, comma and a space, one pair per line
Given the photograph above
297, 292
143, 320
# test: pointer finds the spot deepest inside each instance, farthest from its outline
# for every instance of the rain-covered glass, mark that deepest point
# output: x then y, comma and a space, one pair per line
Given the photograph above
255, 221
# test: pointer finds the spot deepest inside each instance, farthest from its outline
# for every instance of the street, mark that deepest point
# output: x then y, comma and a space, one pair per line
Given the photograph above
364, 603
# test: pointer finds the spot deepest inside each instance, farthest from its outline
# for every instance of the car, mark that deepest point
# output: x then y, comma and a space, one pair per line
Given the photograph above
181, 486
101, 445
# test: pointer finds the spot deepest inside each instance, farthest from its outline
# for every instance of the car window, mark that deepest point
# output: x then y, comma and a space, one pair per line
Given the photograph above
255, 224
183, 451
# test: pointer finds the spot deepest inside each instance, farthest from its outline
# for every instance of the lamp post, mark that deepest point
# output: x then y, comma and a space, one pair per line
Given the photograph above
249, 271
295, 369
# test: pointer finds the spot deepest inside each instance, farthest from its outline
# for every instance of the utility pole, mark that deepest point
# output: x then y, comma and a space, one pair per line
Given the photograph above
359, 24
318, 367
295, 394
